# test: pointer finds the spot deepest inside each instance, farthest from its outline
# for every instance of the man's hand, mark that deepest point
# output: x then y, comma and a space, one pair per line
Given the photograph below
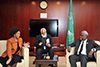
69, 49
40, 43
48, 45
90, 54
9, 60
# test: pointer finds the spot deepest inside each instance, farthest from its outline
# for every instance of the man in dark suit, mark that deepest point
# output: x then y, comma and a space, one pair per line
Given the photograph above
84, 49
44, 44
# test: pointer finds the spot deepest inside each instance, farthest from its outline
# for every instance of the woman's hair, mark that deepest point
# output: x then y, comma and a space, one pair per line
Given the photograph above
13, 31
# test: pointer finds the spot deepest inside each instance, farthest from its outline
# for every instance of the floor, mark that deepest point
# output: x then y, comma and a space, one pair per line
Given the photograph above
61, 62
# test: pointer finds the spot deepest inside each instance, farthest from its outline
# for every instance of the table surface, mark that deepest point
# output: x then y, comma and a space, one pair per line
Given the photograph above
55, 58
45, 61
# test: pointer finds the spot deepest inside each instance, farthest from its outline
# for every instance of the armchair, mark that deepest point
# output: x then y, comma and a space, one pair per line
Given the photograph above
89, 64
24, 52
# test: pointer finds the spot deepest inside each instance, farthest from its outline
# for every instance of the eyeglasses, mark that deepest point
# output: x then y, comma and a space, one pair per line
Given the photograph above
82, 35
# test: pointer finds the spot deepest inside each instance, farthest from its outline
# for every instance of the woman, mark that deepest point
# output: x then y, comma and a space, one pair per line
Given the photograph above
11, 56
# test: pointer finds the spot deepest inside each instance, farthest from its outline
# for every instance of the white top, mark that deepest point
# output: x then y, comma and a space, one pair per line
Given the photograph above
83, 49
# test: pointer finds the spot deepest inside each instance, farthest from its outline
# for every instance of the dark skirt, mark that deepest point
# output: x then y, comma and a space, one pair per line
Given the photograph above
15, 59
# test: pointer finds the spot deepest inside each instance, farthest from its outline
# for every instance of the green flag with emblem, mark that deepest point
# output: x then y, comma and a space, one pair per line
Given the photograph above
70, 28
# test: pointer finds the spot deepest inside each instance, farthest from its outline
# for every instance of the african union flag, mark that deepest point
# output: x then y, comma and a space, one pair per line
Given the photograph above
70, 28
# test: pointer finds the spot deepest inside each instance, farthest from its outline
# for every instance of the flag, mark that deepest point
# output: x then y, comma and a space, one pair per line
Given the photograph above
70, 28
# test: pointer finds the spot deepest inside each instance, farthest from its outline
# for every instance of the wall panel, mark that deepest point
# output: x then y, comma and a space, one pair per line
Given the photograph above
17, 13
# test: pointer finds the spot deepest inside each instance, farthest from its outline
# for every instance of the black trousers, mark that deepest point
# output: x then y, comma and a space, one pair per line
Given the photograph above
41, 51
82, 58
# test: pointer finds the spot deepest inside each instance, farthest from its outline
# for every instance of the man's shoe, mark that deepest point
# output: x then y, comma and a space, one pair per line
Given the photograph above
51, 65
34, 62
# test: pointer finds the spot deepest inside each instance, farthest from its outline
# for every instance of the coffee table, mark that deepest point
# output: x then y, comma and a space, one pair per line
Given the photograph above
45, 61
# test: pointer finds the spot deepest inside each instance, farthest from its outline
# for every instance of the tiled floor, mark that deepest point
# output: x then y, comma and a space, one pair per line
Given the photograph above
61, 62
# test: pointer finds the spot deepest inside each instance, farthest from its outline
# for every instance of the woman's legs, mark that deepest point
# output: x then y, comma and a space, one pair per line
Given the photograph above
14, 65
8, 66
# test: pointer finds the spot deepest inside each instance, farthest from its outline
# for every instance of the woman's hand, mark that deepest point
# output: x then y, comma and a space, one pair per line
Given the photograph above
26, 44
9, 60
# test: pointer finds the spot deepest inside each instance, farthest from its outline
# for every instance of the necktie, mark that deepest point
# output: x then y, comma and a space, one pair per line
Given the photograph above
81, 48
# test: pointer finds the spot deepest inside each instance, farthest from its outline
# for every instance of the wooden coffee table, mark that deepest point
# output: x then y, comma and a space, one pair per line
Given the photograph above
45, 61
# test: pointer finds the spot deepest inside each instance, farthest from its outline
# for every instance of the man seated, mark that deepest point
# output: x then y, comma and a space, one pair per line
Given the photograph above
84, 49
44, 44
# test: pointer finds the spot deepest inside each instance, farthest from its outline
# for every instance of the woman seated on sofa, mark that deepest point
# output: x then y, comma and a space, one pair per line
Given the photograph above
14, 44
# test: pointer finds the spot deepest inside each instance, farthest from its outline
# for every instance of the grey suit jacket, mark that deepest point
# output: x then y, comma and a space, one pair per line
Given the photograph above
90, 44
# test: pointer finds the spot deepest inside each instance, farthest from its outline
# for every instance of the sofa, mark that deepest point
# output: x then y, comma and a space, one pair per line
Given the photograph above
24, 52
89, 64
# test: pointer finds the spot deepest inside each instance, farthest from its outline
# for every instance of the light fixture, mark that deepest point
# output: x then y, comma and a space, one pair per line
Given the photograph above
83, 3
58, 2
33, 2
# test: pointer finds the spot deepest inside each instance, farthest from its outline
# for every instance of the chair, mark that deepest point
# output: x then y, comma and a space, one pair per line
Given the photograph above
89, 64
24, 52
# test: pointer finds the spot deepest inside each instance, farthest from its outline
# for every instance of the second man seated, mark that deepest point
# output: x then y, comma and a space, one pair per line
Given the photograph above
44, 44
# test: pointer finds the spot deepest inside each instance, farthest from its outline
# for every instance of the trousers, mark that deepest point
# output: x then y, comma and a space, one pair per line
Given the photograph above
82, 58
41, 51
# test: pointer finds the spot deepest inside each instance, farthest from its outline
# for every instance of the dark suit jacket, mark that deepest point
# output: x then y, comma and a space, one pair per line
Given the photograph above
39, 39
89, 45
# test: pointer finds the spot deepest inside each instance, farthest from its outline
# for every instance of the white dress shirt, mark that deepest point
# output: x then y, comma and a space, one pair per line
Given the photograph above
83, 48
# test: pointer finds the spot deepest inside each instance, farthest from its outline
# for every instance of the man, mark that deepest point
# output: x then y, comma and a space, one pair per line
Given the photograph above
84, 49
44, 44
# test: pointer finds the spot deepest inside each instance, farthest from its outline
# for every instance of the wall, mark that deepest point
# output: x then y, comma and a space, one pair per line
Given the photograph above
18, 12
86, 17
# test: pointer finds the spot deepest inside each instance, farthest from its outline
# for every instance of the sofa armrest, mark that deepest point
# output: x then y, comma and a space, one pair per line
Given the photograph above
71, 52
68, 54
98, 58
25, 54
